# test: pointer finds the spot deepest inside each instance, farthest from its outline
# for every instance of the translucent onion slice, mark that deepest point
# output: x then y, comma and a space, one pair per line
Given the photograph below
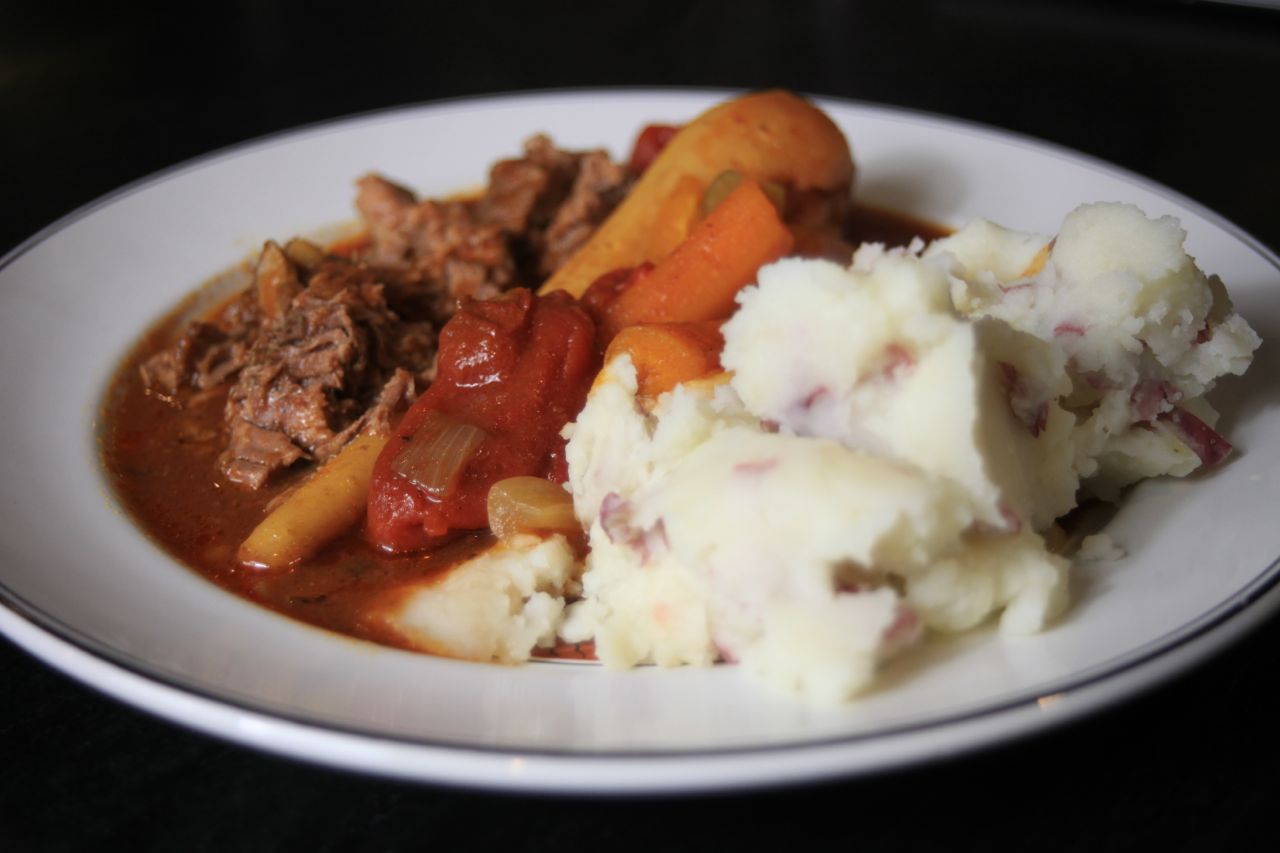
530, 505
727, 181
436, 455
304, 253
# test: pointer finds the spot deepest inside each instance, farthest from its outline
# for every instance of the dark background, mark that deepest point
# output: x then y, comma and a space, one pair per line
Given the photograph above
1183, 93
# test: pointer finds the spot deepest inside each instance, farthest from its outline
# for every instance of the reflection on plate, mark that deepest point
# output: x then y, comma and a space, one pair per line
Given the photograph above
90, 595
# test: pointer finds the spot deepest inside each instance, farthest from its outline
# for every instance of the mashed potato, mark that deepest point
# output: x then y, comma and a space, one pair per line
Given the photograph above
1142, 331
880, 459
892, 439
498, 606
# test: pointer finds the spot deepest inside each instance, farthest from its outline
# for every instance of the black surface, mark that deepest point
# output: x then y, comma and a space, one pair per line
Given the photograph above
1182, 93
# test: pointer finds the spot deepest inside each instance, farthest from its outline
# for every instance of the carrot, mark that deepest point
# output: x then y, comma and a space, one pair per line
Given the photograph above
767, 136
321, 509
701, 277
667, 354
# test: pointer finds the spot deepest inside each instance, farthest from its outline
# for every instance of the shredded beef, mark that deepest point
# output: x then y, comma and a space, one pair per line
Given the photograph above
255, 452
393, 398
433, 252
313, 375
515, 187
524, 193
597, 189
207, 353
535, 212
323, 347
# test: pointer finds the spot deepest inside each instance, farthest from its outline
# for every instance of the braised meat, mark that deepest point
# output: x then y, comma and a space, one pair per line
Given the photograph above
313, 374
206, 354
597, 188
535, 212
322, 347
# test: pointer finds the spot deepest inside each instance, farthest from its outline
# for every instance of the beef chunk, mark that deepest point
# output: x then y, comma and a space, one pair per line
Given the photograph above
313, 375
255, 452
537, 210
596, 191
207, 353
523, 193
433, 252
394, 397
550, 201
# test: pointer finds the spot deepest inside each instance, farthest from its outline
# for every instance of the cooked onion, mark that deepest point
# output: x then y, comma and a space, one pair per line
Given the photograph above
304, 253
530, 505
276, 281
727, 181
434, 458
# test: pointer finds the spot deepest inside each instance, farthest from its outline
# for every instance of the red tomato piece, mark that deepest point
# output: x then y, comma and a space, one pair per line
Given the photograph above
649, 145
518, 368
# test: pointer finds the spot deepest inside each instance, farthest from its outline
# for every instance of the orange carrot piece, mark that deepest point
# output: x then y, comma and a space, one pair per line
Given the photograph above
675, 218
666, 354
767, 136
701, 277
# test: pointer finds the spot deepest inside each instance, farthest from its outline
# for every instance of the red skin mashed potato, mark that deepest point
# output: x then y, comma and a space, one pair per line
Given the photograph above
891, 442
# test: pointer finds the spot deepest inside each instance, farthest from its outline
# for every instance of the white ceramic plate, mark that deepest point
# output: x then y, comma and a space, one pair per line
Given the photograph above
89, 594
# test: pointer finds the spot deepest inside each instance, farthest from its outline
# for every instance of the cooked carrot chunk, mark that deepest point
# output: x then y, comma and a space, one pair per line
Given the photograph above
667, 354
700, 278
